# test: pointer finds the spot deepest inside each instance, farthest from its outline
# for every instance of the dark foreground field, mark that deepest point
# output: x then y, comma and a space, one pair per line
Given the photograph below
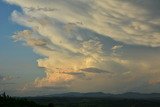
96, 102
6, 101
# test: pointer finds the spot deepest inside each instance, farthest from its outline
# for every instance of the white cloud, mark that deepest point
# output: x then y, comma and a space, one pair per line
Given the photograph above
116, 47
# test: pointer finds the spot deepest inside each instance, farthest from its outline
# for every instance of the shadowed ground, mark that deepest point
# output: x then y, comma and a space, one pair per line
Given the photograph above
7, 101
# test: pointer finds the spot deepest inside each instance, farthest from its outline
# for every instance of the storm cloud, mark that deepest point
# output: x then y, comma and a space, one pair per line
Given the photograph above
92, 39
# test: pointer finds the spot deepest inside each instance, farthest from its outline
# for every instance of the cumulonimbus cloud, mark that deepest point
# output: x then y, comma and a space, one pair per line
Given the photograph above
68, 33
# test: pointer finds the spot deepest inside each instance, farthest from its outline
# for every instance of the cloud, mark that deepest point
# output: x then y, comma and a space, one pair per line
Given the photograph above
78, 74
27, 36
80, 38
8, 83
94, 70
116, 47
117, 19
6, 78
1, 77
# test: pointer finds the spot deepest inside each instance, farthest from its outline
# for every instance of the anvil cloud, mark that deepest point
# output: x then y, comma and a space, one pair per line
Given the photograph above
88, 44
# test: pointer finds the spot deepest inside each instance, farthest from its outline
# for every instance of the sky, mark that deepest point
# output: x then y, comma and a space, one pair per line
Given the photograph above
57, 46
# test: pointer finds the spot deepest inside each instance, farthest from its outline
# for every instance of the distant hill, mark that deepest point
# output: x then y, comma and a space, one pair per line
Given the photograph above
134, 95
77, 94
129, 95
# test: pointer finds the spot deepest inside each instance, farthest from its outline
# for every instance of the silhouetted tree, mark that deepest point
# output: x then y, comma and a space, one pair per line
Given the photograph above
7, 101
4, 95
50, 105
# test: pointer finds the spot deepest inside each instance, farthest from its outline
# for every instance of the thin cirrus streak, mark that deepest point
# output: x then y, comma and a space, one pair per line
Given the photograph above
69, 33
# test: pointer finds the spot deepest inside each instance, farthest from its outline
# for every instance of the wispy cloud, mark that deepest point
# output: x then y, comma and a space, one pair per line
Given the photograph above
6, 78
118, 19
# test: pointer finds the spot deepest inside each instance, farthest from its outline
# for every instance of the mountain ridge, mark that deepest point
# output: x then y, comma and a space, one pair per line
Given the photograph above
127, 95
